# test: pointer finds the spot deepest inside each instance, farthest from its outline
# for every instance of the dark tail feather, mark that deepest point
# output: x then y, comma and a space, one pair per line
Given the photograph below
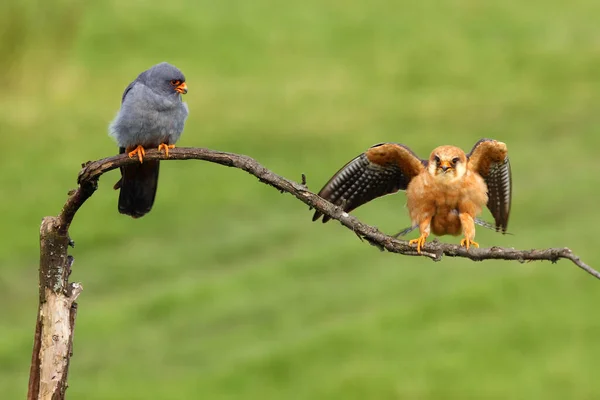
138, 188
405, 231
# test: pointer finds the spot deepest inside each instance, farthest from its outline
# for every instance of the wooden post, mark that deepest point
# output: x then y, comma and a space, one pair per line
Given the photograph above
53, 340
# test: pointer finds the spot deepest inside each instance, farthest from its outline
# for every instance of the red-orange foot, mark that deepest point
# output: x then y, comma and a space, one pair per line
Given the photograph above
139, 152
420, 242
467, 243
165, 147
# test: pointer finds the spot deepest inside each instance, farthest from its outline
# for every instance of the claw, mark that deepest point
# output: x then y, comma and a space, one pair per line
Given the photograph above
165, 147
466, 243
139, 151
420, 242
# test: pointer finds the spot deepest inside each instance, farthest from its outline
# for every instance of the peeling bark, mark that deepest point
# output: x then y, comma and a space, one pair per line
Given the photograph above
56, 315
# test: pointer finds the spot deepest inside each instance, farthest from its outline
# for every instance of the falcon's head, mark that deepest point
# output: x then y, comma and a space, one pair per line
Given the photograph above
447, 163
165, 79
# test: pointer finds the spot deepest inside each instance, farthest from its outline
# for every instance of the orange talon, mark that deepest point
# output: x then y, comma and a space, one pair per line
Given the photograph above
466, 243
420, 242
166, 148
139, 151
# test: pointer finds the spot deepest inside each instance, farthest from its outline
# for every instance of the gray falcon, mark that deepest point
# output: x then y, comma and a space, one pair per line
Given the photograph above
152, 114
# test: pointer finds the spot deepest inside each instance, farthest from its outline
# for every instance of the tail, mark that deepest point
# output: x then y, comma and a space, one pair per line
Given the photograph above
138, 185
477, 221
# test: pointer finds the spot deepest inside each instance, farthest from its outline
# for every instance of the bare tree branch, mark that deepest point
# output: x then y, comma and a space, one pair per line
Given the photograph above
56, 315
435, 250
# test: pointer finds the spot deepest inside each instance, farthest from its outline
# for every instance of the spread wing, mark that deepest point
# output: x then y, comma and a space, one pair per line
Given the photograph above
383, 169
489, 158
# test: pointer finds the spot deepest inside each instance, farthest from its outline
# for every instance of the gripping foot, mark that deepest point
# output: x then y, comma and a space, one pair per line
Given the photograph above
420, 242
467, 243
139, 152
165, 147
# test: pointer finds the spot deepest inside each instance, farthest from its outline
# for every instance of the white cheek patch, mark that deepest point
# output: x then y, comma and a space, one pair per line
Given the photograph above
461, 170
432, 168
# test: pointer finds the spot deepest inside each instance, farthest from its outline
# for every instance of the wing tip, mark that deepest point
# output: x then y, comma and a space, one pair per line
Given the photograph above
502, 226
318, 215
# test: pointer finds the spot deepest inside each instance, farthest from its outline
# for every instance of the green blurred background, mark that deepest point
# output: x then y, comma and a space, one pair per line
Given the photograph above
227, 290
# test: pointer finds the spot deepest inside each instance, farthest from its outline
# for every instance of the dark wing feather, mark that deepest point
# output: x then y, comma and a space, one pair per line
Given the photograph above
127, 89
489, 158
383, 169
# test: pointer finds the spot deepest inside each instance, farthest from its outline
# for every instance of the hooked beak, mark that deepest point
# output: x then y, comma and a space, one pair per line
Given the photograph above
182, 88
445, 166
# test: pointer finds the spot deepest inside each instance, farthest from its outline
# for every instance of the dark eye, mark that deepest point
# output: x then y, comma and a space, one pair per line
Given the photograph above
455, 160
175, 82
436, 159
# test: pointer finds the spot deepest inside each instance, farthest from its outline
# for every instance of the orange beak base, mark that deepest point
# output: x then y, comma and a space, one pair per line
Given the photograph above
182, 88
445, 166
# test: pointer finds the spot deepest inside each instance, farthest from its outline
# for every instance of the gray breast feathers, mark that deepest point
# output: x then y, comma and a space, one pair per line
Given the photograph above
148, 119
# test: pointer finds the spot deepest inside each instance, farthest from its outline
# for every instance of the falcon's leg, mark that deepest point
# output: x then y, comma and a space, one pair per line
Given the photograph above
468, 227
165, 147
424, 228
139, 151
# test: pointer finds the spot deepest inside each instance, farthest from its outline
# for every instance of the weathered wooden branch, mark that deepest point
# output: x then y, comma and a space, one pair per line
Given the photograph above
434, 250
53, 341
56, 315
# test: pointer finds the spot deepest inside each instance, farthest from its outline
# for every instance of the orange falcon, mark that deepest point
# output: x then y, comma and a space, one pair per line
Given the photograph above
445, 193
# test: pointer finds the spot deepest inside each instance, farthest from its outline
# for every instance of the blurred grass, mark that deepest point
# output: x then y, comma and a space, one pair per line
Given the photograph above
227, 290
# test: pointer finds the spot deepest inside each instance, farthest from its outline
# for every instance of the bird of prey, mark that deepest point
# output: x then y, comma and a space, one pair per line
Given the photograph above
152, 114
444, 193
